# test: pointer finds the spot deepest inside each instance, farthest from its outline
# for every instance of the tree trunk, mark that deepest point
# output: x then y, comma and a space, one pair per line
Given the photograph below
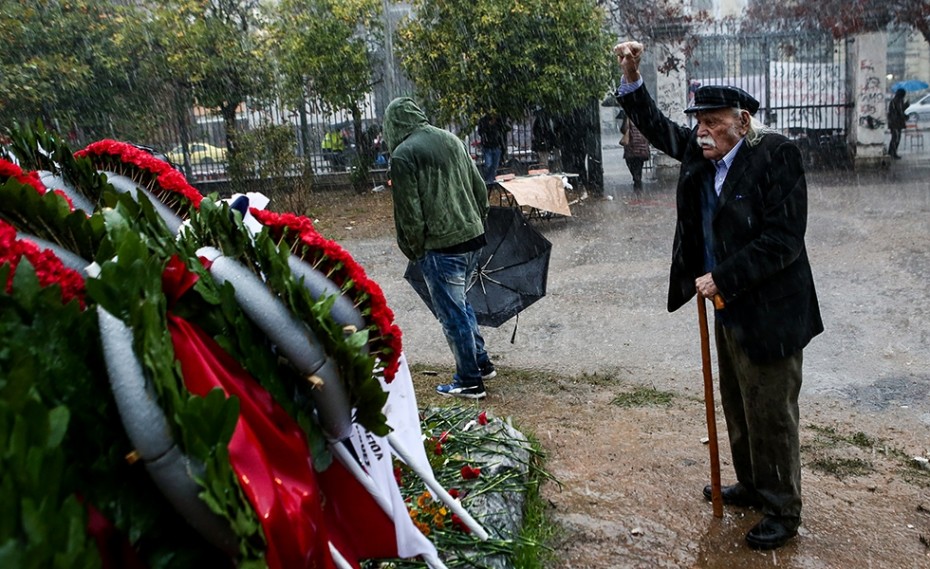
361, 160
181, 109
235, 163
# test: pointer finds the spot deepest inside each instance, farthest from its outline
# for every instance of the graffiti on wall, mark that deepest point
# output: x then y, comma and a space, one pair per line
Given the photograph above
870, 100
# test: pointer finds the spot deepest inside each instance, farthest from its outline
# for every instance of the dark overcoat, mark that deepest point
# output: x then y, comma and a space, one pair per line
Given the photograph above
762, 269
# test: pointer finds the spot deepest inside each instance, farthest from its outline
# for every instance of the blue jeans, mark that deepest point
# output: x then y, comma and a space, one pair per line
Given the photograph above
447, 276
492, 159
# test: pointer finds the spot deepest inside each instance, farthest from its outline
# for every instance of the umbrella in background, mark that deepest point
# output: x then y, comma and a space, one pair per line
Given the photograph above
910, 85
512, 269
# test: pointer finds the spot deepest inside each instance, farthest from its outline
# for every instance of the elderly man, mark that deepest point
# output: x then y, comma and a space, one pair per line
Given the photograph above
440, 205
742, 214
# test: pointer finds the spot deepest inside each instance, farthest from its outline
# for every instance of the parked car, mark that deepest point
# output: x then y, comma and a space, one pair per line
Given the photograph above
200, 153
920, 110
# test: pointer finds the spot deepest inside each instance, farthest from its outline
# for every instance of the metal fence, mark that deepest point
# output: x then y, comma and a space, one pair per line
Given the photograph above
275, 141
800, 79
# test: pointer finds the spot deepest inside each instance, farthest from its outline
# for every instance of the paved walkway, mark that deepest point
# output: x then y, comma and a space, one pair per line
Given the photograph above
605, 307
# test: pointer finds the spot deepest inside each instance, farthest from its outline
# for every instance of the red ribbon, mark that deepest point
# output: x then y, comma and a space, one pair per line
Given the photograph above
269, 454
268, 450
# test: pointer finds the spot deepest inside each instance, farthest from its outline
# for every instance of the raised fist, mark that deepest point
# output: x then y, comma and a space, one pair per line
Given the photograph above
628, 55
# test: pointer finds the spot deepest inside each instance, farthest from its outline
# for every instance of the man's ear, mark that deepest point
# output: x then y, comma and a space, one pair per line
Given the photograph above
744, 120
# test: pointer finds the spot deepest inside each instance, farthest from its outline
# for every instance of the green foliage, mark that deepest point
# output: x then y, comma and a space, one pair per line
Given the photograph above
47, 217
218, 313
217, 53
469, 58
41, 523
63, 62
272, 150
212, 225
324, 49
130, 288
218, 46
533, 550
454, 438
50, 357
842, 467
38, 149
643, 396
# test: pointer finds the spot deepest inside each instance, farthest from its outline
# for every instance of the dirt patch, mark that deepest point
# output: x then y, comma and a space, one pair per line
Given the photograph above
631, 477
631, 465
343, 214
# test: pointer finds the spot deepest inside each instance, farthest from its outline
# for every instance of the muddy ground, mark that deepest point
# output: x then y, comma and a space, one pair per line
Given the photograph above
630, 476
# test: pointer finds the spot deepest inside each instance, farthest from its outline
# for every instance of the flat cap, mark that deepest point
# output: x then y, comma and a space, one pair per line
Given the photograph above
709, 97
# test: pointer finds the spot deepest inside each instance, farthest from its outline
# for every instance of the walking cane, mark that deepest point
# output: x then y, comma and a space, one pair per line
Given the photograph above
716, 496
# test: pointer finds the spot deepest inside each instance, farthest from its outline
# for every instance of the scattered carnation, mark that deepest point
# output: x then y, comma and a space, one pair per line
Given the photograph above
458, 524
470, 473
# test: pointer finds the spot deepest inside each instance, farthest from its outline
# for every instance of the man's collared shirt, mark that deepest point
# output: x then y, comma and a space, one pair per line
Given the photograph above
627, 88
723, 166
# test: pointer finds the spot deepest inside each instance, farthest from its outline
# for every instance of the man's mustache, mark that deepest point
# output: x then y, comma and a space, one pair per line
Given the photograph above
706, 141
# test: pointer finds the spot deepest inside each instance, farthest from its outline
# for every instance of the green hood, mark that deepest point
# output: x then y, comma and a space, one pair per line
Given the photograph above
401, 118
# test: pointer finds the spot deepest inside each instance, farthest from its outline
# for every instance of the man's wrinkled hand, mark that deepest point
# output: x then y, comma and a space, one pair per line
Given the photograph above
629, 53
706, 286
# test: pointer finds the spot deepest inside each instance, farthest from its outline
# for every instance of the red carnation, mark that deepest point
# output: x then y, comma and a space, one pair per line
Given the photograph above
458, 524
10, 170
112, 153
470, 473
337, 264
48, 267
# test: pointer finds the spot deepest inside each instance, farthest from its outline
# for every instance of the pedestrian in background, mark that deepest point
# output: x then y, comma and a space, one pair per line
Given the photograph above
897, 120
492, 130
334, 147
545, 141
635, 152
440, 207
742, 215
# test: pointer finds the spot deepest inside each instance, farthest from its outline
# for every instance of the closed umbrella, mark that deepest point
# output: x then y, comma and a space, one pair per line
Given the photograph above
910, 85
512, 269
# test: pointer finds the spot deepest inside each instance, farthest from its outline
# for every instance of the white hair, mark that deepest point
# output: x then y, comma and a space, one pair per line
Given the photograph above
756, 129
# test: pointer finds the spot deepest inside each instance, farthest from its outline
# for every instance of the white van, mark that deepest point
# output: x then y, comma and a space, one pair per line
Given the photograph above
920, 110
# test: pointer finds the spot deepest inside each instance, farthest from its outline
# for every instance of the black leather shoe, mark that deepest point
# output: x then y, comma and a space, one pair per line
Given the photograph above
736, 495
772, 532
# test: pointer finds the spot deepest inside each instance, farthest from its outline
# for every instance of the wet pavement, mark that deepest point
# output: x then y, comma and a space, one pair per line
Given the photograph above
630, 479
605, 308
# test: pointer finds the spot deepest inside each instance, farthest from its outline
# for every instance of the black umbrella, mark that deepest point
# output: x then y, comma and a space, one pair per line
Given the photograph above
512, 269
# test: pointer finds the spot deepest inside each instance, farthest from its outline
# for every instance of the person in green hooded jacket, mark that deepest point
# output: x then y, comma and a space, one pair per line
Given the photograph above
440, 206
